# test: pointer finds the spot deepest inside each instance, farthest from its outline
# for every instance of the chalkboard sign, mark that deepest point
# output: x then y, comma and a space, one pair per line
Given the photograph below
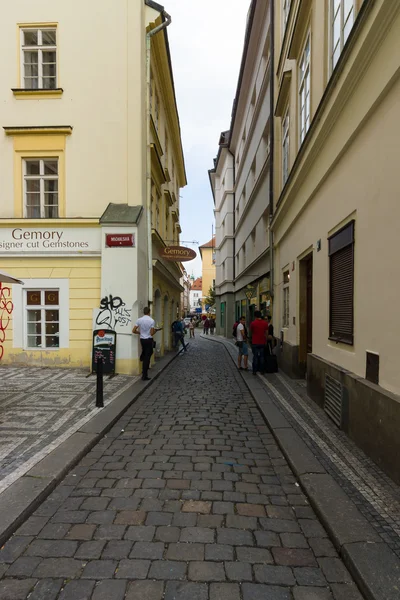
104, 348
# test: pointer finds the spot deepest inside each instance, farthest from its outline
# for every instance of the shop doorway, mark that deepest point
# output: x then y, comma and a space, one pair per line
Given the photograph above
166, 325
306, 310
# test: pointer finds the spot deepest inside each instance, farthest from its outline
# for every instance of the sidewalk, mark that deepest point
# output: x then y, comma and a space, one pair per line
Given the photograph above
361, 483
187, 497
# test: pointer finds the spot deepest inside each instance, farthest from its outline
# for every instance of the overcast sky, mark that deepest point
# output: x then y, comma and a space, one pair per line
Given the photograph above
206, 41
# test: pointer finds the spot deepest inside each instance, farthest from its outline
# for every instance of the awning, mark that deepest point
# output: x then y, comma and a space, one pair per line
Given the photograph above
5, 278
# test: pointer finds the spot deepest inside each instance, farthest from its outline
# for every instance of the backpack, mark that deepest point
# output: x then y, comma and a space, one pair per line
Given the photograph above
175, 327
235, 329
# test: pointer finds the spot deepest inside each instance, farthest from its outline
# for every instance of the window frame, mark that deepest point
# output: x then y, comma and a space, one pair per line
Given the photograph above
40, 28
331, 23
304, 78
42, 307
41, 177
285, 146
285, 299
285, 13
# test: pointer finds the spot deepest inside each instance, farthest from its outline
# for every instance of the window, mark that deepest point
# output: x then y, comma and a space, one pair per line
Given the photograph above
285, 314
285, 147
39, 59
342, 19
304, 90
341, 271
42, 319
41, 188
285, 12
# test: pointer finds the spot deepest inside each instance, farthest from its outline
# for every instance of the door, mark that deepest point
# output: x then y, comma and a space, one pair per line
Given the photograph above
309, 303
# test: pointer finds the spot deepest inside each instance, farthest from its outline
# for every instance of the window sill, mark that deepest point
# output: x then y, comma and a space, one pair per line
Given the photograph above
22, 94
340, 340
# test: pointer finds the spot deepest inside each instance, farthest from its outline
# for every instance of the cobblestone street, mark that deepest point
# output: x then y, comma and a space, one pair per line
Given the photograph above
188, 497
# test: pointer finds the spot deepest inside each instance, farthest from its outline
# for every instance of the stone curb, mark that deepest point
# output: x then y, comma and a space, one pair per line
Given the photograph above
24, 496
370, 561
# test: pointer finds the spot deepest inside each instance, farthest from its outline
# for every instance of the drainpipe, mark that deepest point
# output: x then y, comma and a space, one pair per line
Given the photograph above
271, 147
149, 35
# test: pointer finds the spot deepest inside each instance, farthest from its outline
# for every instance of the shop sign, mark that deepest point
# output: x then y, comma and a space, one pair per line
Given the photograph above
104, 349
177, 253
117, 240
49, 240
264, 285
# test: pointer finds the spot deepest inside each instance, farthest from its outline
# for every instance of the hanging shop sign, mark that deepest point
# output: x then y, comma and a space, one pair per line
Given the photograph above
177, 253
104, 348
49, 240
117, 240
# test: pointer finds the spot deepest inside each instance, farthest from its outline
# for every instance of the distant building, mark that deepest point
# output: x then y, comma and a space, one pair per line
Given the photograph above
196, 295
208, 253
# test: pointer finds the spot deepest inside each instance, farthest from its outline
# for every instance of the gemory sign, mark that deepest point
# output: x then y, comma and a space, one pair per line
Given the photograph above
43, 240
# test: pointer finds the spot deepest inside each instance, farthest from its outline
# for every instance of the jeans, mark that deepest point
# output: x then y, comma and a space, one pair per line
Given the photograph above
147, 351
258, 358
179, 337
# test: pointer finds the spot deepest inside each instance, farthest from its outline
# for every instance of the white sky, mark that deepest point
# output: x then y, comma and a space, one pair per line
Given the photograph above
206, 40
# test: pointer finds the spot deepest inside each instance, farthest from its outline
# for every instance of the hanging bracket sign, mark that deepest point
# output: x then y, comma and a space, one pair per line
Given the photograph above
177, 253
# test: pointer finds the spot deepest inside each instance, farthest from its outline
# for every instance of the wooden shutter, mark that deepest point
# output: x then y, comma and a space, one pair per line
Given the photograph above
341, 250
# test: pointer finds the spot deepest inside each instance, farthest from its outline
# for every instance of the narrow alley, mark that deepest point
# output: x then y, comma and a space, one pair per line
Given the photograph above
188, 497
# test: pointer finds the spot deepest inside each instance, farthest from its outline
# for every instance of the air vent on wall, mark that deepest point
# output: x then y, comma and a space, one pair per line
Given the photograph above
333, 399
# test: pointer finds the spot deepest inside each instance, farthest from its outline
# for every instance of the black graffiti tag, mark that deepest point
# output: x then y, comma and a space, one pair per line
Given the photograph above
113, 312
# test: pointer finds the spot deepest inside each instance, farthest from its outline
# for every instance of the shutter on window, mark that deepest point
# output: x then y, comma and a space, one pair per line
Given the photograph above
342, 285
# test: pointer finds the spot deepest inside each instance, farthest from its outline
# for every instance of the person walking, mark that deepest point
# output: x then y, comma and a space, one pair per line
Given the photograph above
241, 343
145, 327
191, 328
178, 329
212, 325
206, 325
259, 332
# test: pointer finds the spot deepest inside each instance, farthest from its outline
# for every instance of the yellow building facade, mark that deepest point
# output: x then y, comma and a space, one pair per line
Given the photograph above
207, 252
81, 222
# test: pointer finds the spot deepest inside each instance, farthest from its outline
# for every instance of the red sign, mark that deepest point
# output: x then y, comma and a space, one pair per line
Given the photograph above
177, 253
120, 239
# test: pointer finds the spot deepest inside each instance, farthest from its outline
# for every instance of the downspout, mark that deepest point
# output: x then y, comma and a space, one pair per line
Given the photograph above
149, 35
272, 147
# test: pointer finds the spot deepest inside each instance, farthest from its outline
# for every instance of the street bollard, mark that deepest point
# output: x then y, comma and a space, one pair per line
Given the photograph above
99, 383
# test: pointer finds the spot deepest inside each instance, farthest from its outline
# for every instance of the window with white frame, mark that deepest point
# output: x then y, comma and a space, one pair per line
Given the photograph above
304, 89
41, 188
285, 12
285, 147
342, 20
285, 312
42, 319
39, 58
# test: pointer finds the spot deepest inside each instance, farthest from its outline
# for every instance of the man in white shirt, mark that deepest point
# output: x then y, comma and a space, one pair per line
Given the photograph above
146, 328
241, 343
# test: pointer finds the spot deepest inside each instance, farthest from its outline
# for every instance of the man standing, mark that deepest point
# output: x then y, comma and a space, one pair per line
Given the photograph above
259, 332
241, 343
145, 327
178, 329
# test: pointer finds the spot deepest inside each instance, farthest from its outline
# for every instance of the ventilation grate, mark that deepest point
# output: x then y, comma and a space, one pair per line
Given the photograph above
333, 399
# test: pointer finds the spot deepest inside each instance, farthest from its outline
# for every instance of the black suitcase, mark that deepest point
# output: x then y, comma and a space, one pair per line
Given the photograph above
271, 363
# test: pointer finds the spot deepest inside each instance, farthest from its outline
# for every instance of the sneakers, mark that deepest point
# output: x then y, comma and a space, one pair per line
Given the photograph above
145, 378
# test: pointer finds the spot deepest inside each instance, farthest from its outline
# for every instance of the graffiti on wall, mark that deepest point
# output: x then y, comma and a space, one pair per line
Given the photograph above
6, 308
113, 312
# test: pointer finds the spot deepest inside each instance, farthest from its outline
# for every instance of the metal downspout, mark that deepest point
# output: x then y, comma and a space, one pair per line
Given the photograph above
272, 148
149, 35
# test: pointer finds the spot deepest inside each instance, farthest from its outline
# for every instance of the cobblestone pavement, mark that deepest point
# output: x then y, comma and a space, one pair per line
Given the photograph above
40, 408
187, 498
375, 494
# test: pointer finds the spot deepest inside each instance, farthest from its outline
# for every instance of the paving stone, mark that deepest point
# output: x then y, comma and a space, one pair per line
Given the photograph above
77, 590
158, 518
23, 566
52, 548
197, 507
322, 547
12, 589
70, 516
184, 519
235, 521
130, 517
218, 552
312, 528
54, 531
140, 533
206, 571
32, 526
280, 525
147, 550
117, 549
280, 512
185, 590
132, 569
234, 537
185, 552
252, 591
99, 503
167, 534
223, 508
224, 591
167, 569
294, 557
109, 590
310, 593
210, 521
309, 576
90, 550
101, 517
238, 571
81, 532
14, 548
345, 591
202, 535
334, 570
250, 510
254, 555
293, 540
67, 568
46, 589
144, 590
267, 539
274, 575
